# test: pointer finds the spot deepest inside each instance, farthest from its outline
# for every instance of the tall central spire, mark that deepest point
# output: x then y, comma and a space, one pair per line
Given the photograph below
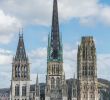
55, 41
55, 21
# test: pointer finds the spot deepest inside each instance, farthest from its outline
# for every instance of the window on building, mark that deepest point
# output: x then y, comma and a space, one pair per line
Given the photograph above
57, 69
84, 96
52, 69
16, 71
58, 82
19, 71
17, 90
52, 83
23, 90
25, 71
91, 96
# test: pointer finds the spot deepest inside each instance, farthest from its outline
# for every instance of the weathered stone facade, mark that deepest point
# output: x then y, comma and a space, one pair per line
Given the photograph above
20, 83
87, 88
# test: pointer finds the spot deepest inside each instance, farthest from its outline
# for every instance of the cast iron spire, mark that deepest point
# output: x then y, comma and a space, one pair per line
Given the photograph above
55, 41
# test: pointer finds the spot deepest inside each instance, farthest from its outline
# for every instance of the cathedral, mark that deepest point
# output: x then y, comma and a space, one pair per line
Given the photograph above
85, 87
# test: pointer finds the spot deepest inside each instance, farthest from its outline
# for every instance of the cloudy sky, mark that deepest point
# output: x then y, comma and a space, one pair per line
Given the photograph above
77, 18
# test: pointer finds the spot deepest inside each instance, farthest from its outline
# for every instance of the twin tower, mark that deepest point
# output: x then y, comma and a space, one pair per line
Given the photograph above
85, 88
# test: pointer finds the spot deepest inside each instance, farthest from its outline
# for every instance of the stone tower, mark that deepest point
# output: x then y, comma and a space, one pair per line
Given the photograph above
87, 70
56, 88
20, 83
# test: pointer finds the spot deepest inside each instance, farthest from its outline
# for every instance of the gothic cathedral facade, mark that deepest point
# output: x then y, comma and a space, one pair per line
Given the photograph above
87, 88
56, 87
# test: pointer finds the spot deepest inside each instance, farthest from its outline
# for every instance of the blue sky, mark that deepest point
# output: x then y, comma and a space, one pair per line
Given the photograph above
77, 18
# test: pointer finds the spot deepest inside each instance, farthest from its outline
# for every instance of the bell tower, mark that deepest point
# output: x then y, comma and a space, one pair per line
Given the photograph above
87, 70
20, 83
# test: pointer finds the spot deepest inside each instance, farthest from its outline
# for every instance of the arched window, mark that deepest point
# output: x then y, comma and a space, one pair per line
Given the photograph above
58, 82
89, 72
91, 96
84, 96
52, 69
17, 90
83, 67
57, 70
23, 90
25, 71
52, 82
18, 70
91, 87
89, 67
22, 71
83, 73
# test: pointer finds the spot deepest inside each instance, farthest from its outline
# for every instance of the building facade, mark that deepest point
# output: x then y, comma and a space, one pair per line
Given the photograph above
87, 88
56, 87
20, 83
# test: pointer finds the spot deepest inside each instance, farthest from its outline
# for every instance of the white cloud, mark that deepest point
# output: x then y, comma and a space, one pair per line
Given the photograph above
5, 67
103, 64
16, 13
40, 12
5, 57
29, 12
105, 15
39, 53
8, 26
78, 9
